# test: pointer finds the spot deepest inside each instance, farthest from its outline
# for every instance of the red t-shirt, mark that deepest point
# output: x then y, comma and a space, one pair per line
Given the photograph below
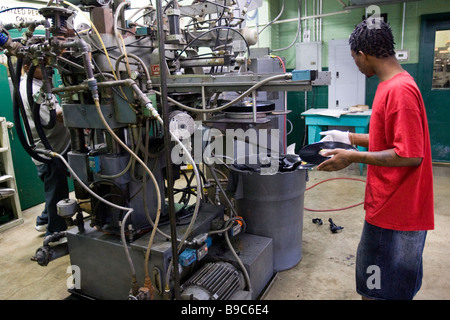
400, 198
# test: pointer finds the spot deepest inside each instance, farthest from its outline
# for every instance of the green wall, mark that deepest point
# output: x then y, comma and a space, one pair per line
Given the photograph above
30, 187
340, 26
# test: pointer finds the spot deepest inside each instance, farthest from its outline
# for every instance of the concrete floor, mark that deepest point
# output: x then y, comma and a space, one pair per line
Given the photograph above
326, 271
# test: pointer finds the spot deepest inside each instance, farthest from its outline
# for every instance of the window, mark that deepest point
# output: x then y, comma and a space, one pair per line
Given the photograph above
441, 69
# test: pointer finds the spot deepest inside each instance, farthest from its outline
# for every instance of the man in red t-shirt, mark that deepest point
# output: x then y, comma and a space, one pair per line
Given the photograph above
399, 188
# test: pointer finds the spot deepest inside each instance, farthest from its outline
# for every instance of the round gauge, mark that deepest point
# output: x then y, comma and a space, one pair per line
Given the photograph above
103, 2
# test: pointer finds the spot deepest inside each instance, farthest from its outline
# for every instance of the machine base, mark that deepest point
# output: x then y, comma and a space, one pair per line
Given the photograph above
104, 271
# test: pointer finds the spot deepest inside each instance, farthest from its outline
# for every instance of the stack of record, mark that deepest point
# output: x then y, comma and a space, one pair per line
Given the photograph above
245, 109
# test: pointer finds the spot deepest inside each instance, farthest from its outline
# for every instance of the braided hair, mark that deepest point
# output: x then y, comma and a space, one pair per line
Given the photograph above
373, 38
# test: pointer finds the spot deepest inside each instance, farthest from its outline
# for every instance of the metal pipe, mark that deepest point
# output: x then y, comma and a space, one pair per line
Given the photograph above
319, 21
313, 38
321, 12
85, 50
305, 27
165, 112
305, 18
203, 103
403, 23
106, 84
342, 3
26, 24
254, 106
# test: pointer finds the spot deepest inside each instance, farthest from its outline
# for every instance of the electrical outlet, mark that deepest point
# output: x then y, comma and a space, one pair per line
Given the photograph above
402, 55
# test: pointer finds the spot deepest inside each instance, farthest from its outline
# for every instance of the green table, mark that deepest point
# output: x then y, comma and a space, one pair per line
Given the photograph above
319, 120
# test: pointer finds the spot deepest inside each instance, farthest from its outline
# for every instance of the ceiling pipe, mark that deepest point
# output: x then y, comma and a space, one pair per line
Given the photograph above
403, 23
319, 21
307, 17
375, 2
342, 3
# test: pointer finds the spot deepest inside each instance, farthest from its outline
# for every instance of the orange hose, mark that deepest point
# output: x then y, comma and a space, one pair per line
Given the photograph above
339, 209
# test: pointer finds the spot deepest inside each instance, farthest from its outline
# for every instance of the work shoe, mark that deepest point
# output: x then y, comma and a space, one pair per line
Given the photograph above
41, 227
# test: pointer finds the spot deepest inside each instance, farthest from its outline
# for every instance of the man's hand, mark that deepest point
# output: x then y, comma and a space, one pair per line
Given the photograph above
340, 159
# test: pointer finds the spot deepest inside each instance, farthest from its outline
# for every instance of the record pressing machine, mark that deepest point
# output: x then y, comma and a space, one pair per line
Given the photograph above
150, 94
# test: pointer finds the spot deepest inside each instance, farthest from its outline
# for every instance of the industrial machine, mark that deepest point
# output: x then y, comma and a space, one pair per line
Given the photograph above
147, 92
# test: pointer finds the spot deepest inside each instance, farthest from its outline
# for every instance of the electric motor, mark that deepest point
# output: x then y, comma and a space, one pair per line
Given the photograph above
214, 281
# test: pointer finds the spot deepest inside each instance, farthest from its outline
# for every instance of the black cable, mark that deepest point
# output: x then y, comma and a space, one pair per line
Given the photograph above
15, 77
187, 191
35, 107
18, 109
36, 112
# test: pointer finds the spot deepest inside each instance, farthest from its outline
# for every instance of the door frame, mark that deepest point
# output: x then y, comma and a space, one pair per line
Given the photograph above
427, 21
424, 80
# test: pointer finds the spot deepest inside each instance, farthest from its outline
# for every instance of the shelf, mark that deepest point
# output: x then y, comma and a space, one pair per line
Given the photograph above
6, 193
9, 197
6, 177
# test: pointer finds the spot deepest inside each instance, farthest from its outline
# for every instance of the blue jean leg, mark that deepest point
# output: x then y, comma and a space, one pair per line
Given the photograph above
389, 263
55, 189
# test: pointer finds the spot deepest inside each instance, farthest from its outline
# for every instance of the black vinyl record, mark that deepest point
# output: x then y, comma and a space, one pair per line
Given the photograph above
311, 152
261, 106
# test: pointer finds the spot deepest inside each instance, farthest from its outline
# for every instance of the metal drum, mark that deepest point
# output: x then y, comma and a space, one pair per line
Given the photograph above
272, 206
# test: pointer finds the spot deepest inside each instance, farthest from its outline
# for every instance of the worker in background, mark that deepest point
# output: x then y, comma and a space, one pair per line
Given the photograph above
53, 175
399, 189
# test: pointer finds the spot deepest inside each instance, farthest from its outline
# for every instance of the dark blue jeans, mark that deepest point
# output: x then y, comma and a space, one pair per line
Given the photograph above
389, 263
55, 189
